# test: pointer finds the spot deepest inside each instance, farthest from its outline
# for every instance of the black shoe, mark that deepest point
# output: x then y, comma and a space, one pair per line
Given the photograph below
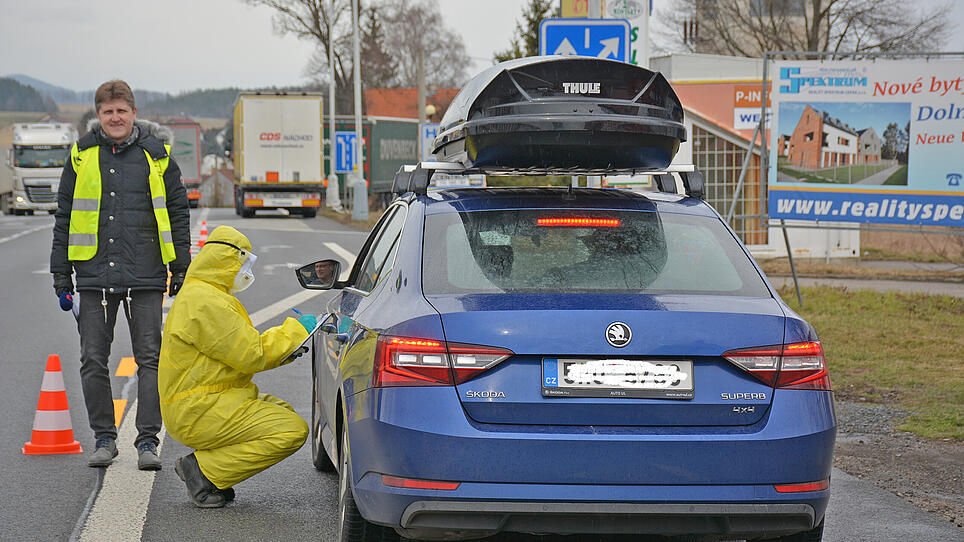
228, 494
202, 492
147, 456
105, 450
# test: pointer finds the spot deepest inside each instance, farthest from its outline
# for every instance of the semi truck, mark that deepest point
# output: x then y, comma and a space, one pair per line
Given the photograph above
278, 151
186, 151
36, 158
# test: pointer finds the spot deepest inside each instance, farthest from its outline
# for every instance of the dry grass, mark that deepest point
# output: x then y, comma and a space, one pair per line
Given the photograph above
853, 269
912, 246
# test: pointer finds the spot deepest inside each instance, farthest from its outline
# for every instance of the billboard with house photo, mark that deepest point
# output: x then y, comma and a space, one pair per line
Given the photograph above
868, 141
843, 143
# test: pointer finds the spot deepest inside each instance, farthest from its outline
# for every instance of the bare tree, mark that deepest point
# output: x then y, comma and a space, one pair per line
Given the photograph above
751, 27
415, 28
311, 20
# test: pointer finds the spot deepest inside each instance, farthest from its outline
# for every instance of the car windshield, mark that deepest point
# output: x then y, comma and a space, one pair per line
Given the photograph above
40, 155
549, 250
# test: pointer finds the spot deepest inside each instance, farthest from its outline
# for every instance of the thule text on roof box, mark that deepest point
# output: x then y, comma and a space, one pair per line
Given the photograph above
562, 113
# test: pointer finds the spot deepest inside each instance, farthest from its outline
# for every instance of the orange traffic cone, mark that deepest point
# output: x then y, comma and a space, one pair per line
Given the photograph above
52, 432
202, 235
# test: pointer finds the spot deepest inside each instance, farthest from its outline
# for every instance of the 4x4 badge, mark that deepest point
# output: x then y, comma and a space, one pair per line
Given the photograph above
618, 334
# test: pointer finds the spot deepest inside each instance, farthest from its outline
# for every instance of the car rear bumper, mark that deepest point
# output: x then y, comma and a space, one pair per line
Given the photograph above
424, 518
709, 481
729, 512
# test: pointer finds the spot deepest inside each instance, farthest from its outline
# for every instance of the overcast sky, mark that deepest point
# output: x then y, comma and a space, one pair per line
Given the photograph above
180, 45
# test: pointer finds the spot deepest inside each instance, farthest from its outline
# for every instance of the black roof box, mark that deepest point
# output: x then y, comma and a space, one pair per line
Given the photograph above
562, 112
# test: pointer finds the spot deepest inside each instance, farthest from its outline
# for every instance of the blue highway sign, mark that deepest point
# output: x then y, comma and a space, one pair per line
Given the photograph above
344, 152
428, 132
599, 38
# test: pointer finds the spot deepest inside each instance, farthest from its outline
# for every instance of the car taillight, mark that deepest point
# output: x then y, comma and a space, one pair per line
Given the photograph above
799, 366
411, 361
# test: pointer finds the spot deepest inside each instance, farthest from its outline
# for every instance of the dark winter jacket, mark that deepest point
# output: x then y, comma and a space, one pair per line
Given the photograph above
128, 255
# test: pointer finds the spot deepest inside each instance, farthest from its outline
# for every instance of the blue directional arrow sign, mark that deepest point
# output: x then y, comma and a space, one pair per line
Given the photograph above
344, 152
599, 38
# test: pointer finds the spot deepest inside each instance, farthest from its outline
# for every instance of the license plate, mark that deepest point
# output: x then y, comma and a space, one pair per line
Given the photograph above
282, 202
658, 379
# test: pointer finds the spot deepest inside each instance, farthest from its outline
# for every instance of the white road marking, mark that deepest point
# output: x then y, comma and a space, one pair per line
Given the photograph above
271, 268
346, 232
345, 254
273, 224
283, 305
120, 510
25, 232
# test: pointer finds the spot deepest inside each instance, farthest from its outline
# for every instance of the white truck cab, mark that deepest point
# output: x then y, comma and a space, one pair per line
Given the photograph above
37, 159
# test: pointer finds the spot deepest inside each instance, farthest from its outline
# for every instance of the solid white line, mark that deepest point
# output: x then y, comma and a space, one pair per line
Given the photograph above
25, 232
120, 511
349, 232
283, 305
345, 254
341, 251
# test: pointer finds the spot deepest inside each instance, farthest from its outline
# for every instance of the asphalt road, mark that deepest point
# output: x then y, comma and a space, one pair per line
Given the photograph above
53, 497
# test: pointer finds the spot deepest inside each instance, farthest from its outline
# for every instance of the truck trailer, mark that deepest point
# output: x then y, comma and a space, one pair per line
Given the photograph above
37, 159
278, 151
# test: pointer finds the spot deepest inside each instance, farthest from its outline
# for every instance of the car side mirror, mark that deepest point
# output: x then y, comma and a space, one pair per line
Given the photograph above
320, 275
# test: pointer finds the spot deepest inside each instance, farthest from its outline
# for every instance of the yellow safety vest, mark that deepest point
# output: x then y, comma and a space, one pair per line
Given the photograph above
85, 212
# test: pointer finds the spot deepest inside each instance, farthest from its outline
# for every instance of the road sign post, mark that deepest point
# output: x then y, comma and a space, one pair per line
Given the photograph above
598, 38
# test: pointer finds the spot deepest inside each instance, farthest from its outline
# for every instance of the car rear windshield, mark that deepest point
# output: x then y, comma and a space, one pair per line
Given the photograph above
617, 251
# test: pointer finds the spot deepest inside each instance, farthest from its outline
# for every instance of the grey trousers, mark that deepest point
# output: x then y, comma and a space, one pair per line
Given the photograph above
96, 326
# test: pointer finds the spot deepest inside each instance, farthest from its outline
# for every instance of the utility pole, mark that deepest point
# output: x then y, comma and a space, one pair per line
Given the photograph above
420, 75
359, 209
332, 195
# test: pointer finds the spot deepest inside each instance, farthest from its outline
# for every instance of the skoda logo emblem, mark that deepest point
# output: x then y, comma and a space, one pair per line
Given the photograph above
618, 334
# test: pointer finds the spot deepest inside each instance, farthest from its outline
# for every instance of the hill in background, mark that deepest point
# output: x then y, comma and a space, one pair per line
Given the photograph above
61, 95
207, 103
15, 96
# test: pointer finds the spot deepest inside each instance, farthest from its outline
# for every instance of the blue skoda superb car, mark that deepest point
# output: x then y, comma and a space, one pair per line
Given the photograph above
556, 360
552, 361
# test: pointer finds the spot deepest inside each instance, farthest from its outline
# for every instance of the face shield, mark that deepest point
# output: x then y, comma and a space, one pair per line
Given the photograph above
245, 276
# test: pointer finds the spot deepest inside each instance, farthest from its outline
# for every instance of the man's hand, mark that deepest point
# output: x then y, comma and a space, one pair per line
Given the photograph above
177, 280
63, 284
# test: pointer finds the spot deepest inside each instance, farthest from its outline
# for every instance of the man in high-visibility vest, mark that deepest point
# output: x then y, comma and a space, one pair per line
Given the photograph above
122, 222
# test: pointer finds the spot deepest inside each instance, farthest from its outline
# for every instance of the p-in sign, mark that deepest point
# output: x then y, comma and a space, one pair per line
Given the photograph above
344, 152
599, 38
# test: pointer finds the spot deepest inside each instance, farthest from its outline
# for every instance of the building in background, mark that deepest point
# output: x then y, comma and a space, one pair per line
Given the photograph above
821, 141
870, 145
401, 102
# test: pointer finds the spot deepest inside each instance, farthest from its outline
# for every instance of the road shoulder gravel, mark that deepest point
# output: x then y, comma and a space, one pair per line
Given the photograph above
926, 473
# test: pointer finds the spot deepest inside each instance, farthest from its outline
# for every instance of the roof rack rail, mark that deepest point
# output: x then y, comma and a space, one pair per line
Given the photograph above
681, 179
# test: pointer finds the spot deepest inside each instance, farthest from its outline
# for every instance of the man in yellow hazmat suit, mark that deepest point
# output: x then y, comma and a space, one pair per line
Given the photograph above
209, 353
